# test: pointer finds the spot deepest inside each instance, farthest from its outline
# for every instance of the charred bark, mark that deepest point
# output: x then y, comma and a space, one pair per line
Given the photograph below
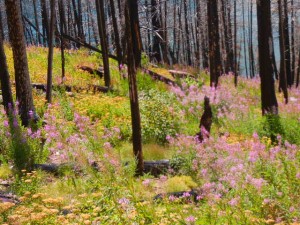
268, 98
22, 78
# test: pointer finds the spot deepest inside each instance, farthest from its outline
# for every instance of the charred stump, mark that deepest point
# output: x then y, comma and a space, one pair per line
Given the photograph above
206, 121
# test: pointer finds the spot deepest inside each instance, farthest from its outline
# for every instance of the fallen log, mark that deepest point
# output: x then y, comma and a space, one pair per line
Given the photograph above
180, 74
69, 88
98, 88
56, 169
157, 167
9, 198
158, 77
99, 72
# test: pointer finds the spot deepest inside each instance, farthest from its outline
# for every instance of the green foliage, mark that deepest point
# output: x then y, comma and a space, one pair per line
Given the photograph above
67, 109
180, 183
145, 60
28, 182
5, 171
291, 127
20, 150
158, 120
145, 82
271, 127
182, 163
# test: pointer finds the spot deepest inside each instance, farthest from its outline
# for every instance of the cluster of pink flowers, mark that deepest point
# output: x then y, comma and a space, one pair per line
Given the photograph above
222, 166
229, 103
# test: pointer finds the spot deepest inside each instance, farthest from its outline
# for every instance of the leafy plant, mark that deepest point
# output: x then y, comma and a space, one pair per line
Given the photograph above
158, 118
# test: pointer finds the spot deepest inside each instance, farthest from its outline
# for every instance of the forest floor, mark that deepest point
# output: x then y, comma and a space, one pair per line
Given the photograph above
247, 172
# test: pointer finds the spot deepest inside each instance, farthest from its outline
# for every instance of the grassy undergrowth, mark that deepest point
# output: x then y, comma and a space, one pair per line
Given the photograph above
246, 173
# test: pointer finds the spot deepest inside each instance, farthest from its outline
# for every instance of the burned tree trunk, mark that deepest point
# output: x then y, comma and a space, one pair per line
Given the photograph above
62, 40
4, 77
268, 98
157, 32
116, 33
45, 22
50, 53
215, 64
135, 29
36, 22
133, 92
22, 78
283, 85
103, 40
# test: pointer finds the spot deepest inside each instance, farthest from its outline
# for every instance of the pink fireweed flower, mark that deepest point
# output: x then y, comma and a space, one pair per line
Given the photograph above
124, 201
255, 136
5, 123
190, 220
29, 131
199, 197
114, 163
107, 145
234, 201
186, 195
163, 178
146, 182
15, 123
172, 198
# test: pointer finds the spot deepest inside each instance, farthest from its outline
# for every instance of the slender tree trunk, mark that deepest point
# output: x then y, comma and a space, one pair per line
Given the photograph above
77, 26
93, 23
235, 45
251, 54
135, 28
174, 58
274, 64
62, 40
268, 98
197, 33
179, 42
293, 51
244, 37
165, 32
36, 22
116, 32
224, 38
80, 23
204, 45
45, 22
103, 41
283, 67
229, 38
215, 65
133, 93
156, 32
50, 53
287, 52
187, 33
22, 78
4, 77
